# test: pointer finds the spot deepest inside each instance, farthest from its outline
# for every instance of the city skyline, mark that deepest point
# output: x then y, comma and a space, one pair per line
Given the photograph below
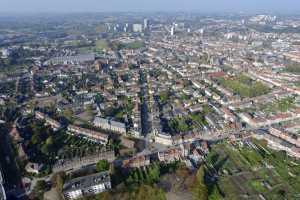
35, 6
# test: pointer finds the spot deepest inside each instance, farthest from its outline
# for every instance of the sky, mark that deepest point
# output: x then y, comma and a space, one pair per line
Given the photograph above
37, 6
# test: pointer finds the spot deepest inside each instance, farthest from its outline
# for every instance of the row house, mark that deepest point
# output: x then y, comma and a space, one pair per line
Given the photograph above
110, 125
170, 155
137, 161
55, 125
93, 135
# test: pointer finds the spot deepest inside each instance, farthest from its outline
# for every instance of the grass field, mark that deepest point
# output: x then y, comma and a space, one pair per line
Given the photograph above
293, 68
101, 45
97, 48
282, 105
244, 86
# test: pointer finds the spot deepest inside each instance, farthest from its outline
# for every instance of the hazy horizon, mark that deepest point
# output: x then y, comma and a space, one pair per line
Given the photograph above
37, 6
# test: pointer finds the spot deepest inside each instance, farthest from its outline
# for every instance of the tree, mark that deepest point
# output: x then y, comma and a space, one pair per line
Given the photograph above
116, 145
141, 175
135, 176
215, 194
11, 112
129, 180
49, 141
147, 192
104, 196
35, 139
199, 191
102, 165
45, 149
154, 173
40, 185
39, 189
